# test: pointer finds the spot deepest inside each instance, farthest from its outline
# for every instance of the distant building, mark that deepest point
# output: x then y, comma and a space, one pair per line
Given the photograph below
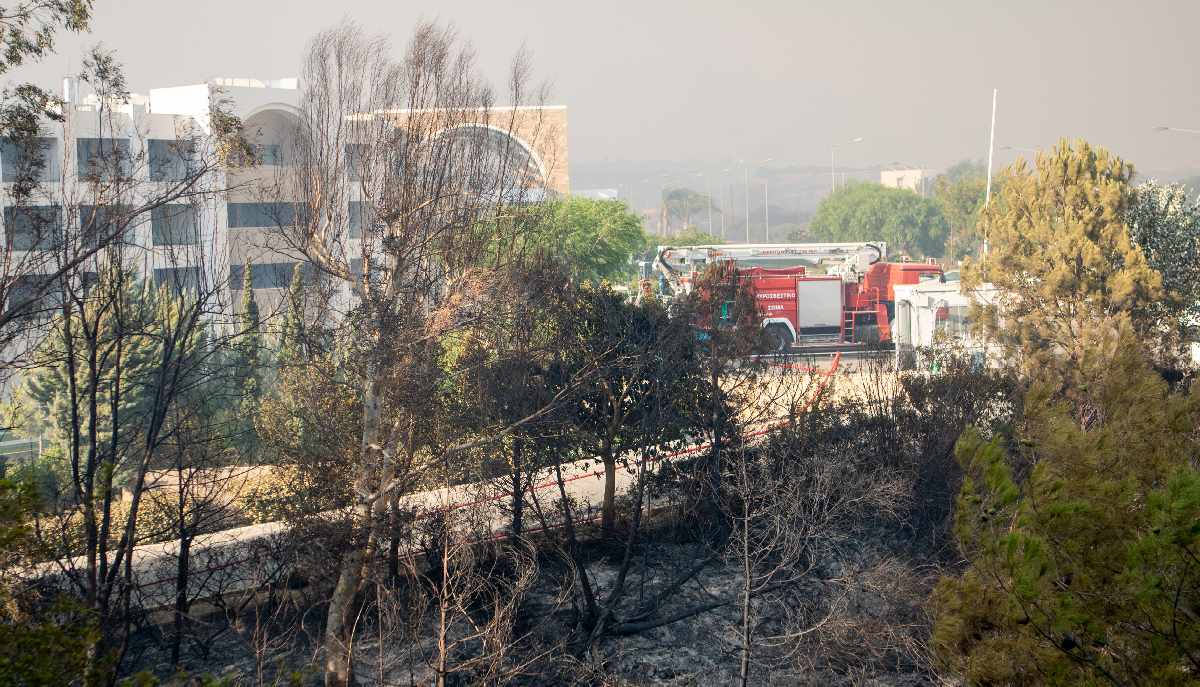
911, 179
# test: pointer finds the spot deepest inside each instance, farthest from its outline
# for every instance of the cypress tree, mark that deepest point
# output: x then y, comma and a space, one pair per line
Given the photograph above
291, 338
248, 377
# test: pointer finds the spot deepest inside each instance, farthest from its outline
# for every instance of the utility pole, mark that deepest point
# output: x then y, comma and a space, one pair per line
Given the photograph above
832, 166
767, 207
746, 194
987, 194
723, 208
708, 199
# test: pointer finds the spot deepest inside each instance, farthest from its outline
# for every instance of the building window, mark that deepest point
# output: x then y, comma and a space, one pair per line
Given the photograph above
31, 160
170, 160
32, 295
355, 152
360, 214
33, 227
272, 275
103, 158
103, 223
178, 279
268, 153
242, 215
174, 225
952, 320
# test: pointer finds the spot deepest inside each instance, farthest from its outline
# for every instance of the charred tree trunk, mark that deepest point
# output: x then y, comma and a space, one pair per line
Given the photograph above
182, 572
518, 487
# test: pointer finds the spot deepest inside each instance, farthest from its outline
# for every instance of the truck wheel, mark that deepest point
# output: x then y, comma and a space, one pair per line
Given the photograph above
779, 338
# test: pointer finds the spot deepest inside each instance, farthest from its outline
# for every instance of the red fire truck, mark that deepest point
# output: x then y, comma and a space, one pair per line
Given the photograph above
850, 305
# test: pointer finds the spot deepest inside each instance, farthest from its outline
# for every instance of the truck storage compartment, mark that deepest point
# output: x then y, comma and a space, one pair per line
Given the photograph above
819, 305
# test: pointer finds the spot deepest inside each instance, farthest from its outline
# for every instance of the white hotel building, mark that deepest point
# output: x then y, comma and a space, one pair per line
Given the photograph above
210, 240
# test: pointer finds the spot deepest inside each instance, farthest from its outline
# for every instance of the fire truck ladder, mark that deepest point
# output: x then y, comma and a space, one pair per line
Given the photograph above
870, 306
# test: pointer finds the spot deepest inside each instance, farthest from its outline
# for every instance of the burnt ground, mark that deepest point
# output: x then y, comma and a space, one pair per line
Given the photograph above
861, 617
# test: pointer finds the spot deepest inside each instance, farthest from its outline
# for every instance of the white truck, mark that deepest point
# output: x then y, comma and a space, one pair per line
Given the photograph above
932, 311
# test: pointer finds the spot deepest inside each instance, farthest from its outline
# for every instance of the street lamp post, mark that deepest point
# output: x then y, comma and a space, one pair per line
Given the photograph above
746, 195
833, 164
723, 208
767, 203
707, 198
1163, 129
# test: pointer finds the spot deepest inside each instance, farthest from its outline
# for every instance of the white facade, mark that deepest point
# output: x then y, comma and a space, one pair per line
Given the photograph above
230, 228
911, 179
149, 127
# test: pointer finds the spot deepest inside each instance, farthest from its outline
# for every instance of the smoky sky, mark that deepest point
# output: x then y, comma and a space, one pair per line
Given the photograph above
715, 81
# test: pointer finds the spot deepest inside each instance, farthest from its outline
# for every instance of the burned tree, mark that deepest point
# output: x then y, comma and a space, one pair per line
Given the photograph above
413, 143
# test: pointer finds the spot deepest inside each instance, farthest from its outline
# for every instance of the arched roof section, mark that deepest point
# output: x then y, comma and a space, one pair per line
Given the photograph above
526, 147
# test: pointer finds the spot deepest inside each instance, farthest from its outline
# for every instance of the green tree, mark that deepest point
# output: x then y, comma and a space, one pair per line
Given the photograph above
594, 238
694, 237
681, 205
869, 212
1063, 262
1192, 185
29, 31
1164, 222
965, 169
43, 641
1086, 572
291, 335
248, 366
110, 352
623, 343
960, 193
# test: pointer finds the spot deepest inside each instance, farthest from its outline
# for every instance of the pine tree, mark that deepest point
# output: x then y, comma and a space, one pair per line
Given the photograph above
1063, 260
1086, 571
114, 332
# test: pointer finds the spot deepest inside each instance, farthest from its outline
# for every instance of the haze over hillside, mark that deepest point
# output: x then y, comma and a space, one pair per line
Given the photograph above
751, 80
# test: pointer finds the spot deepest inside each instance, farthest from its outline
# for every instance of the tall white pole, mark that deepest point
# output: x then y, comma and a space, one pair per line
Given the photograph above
723, 208
832, 173
767, 207
708, 199
746, 193
987, 194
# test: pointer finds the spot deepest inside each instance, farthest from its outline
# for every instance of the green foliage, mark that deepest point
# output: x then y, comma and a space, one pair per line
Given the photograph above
291, 336
694, 237
30, 27
960, 193
1192, 186
1164, 222
248, 367
594, 238
869, 212
29, 32
1085, 571
42, 641
112, 352
1062, 257
682, 205
965, 170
